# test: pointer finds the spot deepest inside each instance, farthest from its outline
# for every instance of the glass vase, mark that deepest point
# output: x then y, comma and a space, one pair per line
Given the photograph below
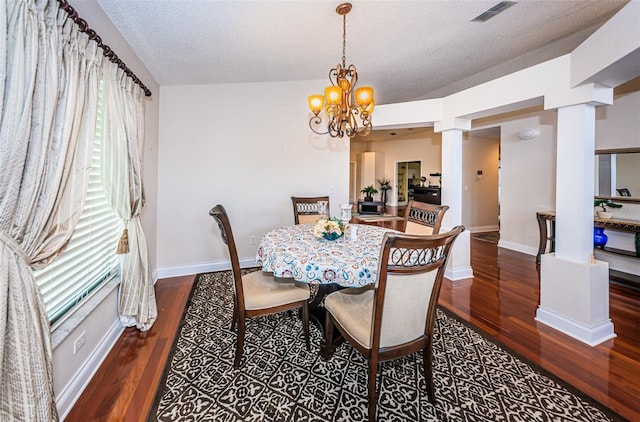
599, 238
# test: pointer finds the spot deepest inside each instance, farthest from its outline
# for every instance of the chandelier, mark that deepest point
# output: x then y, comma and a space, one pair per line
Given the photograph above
343, 114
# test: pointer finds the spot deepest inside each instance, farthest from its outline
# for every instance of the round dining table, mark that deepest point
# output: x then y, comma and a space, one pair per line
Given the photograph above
349, 261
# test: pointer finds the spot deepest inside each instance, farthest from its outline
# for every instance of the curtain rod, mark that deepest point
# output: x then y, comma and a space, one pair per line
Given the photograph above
107, 51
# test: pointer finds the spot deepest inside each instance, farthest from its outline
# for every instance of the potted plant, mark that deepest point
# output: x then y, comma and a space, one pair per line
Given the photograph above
604, 203
369, 191
385, 185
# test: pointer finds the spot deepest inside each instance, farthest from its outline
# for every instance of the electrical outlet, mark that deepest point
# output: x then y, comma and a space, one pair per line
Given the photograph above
252, 240
80, 341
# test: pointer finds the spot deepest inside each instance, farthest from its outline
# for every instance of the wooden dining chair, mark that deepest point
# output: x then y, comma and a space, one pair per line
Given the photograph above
258, 293
397, 317
422, 218
306, 209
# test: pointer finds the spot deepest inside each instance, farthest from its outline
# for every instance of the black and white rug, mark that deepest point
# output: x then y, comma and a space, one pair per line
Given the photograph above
279, 380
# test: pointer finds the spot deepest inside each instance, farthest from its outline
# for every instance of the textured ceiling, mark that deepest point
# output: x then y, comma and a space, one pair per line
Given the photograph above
406, 50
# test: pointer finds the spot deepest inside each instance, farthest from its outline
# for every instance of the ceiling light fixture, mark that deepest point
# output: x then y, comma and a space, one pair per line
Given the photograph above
344, 116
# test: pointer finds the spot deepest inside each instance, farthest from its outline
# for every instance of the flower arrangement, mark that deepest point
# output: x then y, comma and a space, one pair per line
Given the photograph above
328, 228
385, 183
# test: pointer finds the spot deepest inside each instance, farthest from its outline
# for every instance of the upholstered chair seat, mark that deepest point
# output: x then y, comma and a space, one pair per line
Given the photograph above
262, 291
354, 311
405, 310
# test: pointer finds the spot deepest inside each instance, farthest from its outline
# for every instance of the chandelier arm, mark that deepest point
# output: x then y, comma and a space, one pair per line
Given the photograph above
316, 121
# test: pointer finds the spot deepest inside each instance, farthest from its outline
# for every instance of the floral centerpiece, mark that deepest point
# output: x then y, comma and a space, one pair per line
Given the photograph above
329, 228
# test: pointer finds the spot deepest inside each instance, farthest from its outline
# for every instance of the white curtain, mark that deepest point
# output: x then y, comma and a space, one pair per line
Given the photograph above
49, 75
122, 151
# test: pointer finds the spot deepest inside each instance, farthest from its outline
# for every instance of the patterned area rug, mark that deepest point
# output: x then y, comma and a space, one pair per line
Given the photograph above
279, 380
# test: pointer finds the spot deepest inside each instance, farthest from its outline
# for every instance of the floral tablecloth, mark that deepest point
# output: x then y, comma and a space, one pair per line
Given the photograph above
295, 252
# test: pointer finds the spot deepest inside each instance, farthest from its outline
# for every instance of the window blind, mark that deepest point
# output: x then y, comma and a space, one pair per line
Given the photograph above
89, 260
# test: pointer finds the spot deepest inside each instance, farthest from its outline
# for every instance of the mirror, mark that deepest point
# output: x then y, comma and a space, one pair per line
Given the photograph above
617, 174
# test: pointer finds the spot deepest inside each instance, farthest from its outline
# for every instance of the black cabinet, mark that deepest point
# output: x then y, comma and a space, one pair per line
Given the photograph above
428, 195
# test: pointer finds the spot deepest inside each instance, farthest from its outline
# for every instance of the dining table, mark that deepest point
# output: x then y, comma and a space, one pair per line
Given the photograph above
349, 261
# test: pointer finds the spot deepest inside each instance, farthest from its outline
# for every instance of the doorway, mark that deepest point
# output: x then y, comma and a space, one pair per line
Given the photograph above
408, 175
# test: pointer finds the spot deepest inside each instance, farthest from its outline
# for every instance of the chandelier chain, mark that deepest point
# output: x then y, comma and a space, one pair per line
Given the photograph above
344, 40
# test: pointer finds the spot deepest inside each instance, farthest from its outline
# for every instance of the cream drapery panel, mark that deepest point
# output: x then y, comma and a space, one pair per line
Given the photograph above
49, 75
122, 152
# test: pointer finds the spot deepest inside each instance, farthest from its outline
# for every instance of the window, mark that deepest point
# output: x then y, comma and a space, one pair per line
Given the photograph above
89, 261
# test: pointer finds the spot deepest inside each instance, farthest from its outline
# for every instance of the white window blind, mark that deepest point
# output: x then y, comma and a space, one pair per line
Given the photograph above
89, 260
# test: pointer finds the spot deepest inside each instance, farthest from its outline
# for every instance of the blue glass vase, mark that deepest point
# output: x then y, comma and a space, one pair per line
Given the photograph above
599, 238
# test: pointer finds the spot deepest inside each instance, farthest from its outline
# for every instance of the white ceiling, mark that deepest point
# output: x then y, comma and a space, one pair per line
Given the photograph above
406, 50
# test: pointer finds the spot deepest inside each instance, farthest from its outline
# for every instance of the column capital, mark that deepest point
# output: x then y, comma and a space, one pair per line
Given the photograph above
452, 123
590, 94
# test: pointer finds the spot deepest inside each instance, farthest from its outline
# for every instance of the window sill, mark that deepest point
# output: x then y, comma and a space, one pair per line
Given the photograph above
73, 321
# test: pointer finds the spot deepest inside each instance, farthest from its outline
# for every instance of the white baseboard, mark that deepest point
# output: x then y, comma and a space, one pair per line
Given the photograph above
458, 273
589, 335
70, 394
205, 267
518, 247
482, 229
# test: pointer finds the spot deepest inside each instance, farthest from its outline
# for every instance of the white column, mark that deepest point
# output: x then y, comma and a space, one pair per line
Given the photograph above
574, 289
459, 264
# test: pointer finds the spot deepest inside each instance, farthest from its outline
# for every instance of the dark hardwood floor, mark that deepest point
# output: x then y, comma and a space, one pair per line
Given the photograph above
501, 300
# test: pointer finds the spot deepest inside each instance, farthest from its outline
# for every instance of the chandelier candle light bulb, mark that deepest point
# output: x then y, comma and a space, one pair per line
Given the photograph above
341, 108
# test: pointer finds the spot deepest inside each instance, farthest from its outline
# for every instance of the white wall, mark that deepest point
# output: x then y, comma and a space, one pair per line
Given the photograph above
232, 144
618, 126
480, 193
528, 179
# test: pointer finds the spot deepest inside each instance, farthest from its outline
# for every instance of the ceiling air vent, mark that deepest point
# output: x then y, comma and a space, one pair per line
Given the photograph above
489, 13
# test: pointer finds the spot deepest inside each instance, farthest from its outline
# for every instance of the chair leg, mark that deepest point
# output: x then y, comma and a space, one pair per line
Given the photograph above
327, 350
239, 341
305, 323
373, 369
428, 374
235, 315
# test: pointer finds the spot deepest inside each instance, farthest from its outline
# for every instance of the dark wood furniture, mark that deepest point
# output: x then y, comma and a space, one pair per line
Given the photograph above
371, 207
547, 227
403, 304
430, 195
422, 218
258, 293
306, 210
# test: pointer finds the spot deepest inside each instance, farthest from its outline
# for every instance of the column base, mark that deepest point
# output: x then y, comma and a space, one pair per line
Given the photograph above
574, 298
459, 263
589, 335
